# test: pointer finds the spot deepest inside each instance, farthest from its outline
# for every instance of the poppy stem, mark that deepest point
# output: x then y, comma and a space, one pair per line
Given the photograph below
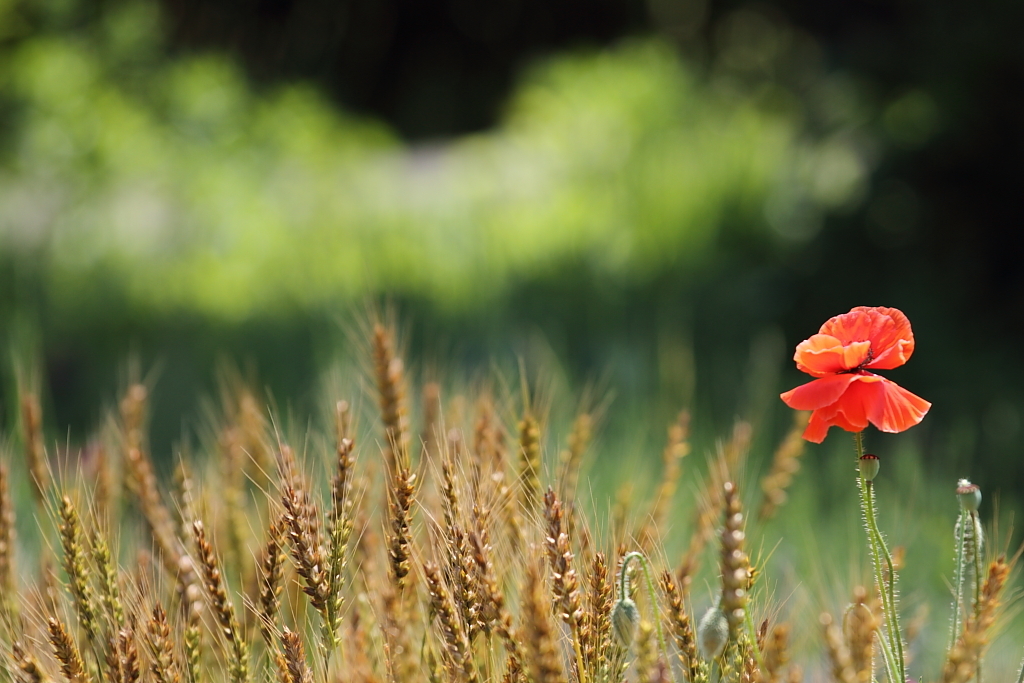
960, 533
978, 562
884, 641
652, 598
895, 663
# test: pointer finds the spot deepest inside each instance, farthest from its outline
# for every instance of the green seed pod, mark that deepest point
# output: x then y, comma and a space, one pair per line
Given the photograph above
625, 618
712, 633
969, 495
869, 465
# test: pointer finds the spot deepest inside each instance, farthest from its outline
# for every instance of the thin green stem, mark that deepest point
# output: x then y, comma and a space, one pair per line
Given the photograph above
888, 658
581, 672
652, 597
716, 671
958, 596
894, 660
896, 635
327, 662
752, 634
876, 561
976, 527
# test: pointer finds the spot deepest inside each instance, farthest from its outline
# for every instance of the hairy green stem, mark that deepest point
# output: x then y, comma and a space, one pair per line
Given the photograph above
978, 568
651, 596
961, 568
895, 663
886, 648
752, 634
888, 658
893, 617
976, 528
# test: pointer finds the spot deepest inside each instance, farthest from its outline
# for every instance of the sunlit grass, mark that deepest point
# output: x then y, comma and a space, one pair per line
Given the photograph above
431, 481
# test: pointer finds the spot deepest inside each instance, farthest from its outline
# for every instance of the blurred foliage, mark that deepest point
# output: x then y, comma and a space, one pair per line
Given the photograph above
676, 211
178, 183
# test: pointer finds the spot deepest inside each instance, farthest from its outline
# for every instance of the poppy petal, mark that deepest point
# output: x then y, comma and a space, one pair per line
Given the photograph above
824, 354
888, 330
894, 409
819, 393
850, 410
894, 356
833, 416
817, 428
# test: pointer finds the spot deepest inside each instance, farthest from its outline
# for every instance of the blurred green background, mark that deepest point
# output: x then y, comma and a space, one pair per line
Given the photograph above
654, 198
667, 196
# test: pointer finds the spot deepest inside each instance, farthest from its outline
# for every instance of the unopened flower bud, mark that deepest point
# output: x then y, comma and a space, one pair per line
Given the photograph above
712, 633
969, 495
625, 618
869, 466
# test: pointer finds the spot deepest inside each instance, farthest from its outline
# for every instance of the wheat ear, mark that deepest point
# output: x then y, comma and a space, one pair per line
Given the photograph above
542, 653
223, 610
453, 633
77, 568
72, 666
8, 606
163, 663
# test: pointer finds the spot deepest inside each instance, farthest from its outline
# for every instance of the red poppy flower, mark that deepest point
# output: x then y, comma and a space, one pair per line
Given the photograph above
845, 394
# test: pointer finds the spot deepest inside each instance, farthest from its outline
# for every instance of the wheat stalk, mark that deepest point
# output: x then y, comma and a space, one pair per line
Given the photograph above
390, 373
963, 660
35, 455
8, 606
67, 653
400, 499
838, 653
295, 658
110, 591
27, 664
77, 569
542, 653
776, 653
861, 625
680, 625
223, 610
453, 632
272, 578
785, 464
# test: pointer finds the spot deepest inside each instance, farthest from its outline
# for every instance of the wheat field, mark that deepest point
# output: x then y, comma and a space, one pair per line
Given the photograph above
441, 538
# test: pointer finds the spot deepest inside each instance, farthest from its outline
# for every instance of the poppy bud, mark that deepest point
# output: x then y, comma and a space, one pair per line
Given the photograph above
625, 617
712, 633
969, 495
869, 466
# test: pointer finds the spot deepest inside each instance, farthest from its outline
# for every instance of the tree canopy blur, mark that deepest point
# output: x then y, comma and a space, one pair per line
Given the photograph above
182, 179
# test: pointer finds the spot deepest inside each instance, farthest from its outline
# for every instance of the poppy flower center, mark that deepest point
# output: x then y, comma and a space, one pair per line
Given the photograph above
860, 368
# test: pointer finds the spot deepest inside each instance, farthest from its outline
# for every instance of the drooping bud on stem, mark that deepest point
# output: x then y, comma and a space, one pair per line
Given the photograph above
625, 615
625, 619
712, 633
